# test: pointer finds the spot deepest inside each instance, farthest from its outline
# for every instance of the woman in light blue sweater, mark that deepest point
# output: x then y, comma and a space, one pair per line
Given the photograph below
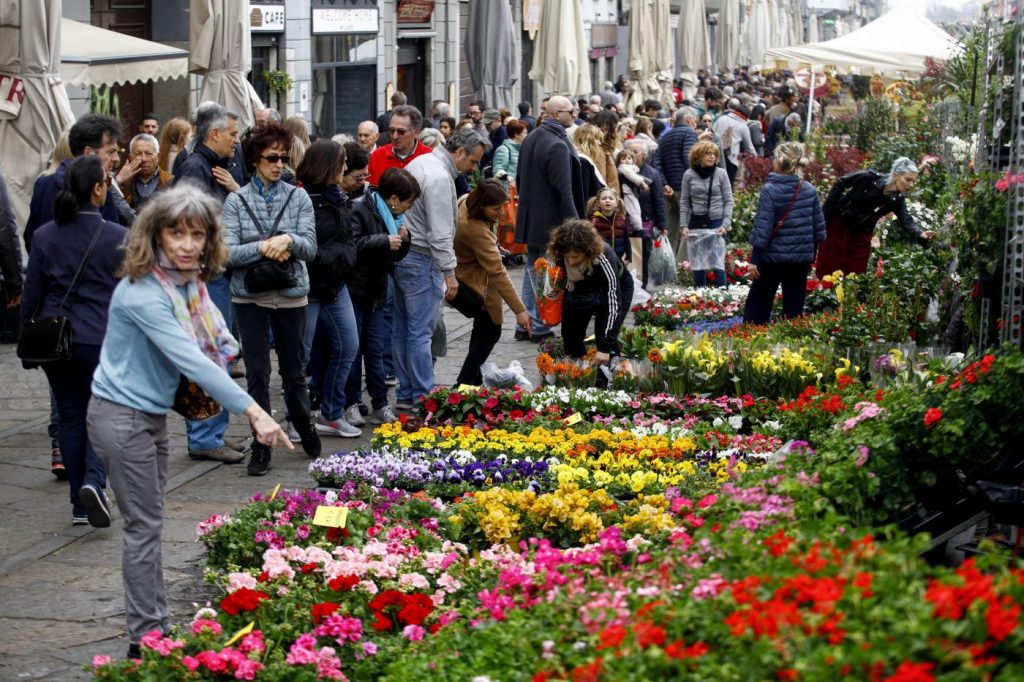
161, 326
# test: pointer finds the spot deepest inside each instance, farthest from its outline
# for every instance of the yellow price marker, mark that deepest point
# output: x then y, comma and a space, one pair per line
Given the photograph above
589, 339
466, 388
273, 494
332, 517
240, 634
573, 419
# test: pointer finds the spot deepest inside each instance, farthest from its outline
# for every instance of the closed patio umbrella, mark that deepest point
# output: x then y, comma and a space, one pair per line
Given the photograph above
758, 33
560, 62
34, 107
694, 50
812, 27
650, 52
221, 51
491, 52
727, 36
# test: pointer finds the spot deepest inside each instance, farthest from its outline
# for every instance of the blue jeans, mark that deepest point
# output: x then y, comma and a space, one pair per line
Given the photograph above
419, 289
529, 276
209, 434
374, 334
71, 383
343, 337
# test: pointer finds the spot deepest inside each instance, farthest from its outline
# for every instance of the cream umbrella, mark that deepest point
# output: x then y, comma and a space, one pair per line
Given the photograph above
491, 52
34, 107
221, 51
727, 36
782, 24
796, 24
758, 34
812, 27
650, 52
560, 61
693, 46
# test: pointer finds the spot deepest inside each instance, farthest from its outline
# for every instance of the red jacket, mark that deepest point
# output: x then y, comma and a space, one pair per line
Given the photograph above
383, 158
604, 226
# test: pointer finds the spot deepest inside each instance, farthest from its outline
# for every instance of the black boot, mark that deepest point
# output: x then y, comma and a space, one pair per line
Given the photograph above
259, 460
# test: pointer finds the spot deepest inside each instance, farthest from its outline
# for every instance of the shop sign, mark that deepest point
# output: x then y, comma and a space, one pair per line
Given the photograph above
345, 20
415, 11
12, 95
266, 18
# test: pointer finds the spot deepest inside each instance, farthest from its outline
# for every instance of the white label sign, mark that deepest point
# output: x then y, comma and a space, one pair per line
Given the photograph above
345, 20
266, 18
303, 97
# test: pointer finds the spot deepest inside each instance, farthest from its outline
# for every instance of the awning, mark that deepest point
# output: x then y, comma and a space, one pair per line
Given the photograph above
91, 55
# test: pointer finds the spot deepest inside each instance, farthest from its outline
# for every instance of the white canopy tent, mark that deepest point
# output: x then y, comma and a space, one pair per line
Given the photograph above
893, 46
91, 55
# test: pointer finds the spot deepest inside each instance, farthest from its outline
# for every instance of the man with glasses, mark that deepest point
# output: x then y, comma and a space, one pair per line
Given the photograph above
403, 130
550, 182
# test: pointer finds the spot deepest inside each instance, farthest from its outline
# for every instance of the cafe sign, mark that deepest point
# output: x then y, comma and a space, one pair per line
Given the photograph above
12, 94
266, 18
415, 11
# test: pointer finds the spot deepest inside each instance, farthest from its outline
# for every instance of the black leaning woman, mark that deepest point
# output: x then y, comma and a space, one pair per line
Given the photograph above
73, 273
598, 286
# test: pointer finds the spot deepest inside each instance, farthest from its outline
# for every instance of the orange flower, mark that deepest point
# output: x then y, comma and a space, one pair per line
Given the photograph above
540, 265
654, 355
545, 363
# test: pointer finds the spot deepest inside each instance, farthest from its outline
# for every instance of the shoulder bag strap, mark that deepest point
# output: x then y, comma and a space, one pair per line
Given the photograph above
711, 182
778, 225
81, 266
258, 222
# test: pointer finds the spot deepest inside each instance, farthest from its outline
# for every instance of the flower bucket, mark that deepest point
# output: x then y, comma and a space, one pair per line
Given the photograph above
550, 309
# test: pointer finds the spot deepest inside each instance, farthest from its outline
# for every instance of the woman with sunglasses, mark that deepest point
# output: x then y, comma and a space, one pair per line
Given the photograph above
270, 233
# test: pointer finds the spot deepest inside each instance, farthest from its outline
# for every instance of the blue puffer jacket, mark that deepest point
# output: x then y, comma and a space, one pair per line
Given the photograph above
243, 237
799, 236
674, 154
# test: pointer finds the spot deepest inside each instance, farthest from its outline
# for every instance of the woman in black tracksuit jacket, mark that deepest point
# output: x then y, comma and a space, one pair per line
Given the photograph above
598, 285
381, 241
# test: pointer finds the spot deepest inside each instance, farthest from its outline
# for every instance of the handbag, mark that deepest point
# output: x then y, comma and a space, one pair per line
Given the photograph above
267, 274
48, 339
466, 300
192, 402
702, 222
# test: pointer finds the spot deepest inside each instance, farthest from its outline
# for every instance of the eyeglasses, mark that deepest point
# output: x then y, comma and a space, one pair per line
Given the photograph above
398, 131
561, 111
358, 176
275, 158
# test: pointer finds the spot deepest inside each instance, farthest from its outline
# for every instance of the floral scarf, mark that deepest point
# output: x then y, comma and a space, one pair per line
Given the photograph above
196, 313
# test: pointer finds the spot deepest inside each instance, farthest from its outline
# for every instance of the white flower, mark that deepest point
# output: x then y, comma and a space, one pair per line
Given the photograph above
736, 421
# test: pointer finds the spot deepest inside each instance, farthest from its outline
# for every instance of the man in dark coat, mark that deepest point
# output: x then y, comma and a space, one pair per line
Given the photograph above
550, 182
674, 160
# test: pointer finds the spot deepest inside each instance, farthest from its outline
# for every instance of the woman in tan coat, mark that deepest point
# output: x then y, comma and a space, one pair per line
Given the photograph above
480, 268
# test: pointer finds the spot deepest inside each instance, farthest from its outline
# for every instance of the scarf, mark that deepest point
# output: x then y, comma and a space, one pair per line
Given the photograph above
196, 313
704, 172
331, 193
391, 221
267, 192
556, 127
575, 273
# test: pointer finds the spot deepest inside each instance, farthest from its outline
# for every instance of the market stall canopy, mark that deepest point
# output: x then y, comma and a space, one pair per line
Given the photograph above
91, 55
895, 46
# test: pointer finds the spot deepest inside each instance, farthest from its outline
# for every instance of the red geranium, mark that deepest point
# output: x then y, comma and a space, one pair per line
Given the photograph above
454, 398
242, 599
932, 415
343, 582
322, 610
430, 405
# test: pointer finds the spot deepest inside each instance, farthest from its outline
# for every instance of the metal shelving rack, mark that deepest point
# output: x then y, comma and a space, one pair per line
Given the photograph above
1013, 261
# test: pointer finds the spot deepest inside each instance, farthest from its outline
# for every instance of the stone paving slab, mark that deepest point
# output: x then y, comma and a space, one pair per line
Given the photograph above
61, 585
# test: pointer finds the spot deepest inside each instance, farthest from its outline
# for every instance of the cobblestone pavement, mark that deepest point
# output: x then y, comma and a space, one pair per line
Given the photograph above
60, 585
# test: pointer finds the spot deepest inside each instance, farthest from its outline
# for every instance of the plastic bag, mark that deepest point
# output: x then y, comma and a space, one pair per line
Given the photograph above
497, 377
639, 295
662, 267
706, 249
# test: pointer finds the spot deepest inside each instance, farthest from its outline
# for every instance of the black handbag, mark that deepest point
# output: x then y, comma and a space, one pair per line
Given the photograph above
269, 275
702, 222
48, 339
466, 300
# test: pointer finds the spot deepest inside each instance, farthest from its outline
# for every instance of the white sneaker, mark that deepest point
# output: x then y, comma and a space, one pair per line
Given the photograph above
339, 427
353, 416
383, 415
292, 434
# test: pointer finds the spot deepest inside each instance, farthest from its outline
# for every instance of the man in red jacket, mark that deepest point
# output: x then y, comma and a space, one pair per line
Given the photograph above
404, 130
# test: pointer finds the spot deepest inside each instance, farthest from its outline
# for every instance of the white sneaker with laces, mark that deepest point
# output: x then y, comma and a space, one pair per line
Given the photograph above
339, 427
383, 415
353, 416
292, 434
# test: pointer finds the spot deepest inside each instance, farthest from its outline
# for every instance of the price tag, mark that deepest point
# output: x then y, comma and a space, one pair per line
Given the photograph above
240, 634
573, 419
466, 388
332, 517
589, 339
273, 494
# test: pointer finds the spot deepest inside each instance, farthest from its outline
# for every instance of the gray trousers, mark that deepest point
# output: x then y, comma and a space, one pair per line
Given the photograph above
134, 450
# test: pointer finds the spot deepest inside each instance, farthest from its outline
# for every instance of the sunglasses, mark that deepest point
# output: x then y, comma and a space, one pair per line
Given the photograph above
275, 158
398, 131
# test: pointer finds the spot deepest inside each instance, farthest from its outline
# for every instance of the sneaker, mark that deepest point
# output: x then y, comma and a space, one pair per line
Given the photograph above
354, 416
403, 405
97, 508
338, 427
79, 520
219, 454
237, 369
390, 380
238, 445
522, 336
259, 460
383, 415
292, 434
57, 465
310, 442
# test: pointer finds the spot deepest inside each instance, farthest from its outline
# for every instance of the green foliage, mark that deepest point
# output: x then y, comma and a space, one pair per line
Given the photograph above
876, 122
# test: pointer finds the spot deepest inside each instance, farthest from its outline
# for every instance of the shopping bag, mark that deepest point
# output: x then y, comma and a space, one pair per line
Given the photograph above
662, 268
549, 291
636, 258
507, 224
640, 296
707, 250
